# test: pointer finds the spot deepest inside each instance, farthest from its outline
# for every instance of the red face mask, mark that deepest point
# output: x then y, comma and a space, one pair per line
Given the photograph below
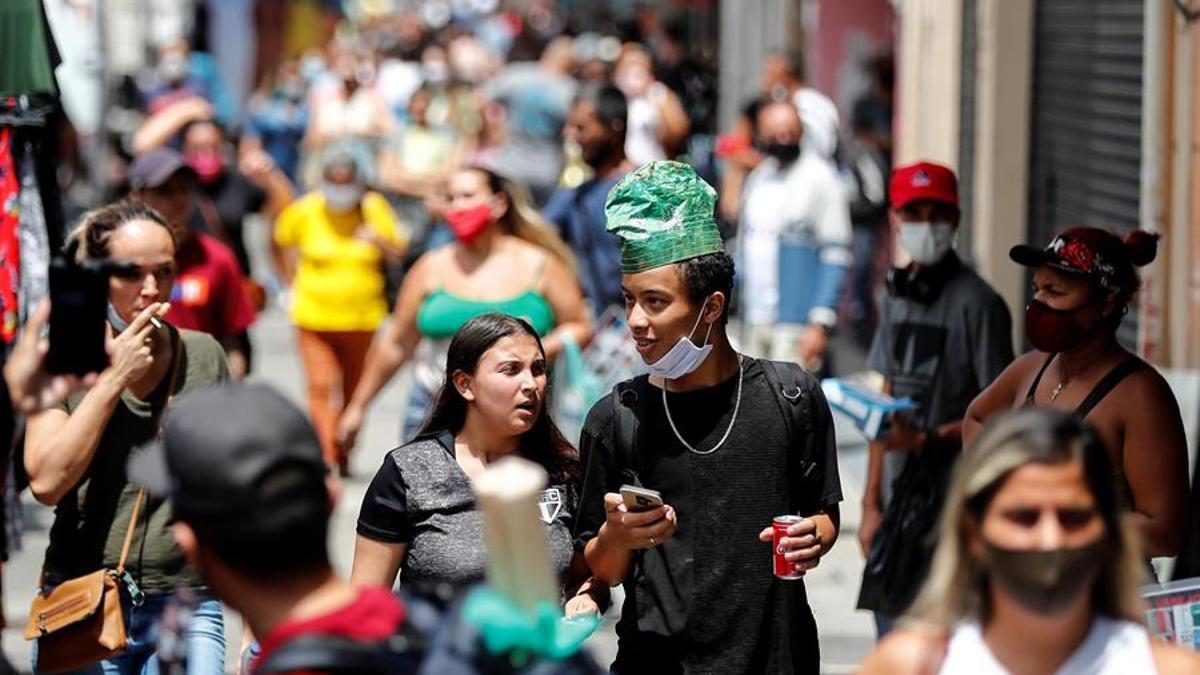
1056, 330
207, 165
467, 224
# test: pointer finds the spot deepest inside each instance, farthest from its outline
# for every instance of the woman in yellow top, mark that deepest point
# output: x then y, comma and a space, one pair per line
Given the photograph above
504, 259
329, 246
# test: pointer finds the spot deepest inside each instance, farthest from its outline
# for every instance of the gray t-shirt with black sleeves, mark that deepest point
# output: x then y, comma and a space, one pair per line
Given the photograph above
422, 498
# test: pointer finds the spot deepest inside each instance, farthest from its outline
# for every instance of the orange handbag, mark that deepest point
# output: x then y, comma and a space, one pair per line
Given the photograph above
81, 621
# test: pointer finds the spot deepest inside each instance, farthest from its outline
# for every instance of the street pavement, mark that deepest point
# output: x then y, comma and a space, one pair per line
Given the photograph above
846, 634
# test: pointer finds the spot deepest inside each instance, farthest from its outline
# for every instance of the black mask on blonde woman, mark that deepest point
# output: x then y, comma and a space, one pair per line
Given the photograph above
1045, 581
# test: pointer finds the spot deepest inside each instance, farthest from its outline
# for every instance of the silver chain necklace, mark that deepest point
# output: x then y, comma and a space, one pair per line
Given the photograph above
737, 405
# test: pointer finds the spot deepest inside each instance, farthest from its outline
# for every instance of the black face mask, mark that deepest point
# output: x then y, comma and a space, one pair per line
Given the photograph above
1045, 582
786, 153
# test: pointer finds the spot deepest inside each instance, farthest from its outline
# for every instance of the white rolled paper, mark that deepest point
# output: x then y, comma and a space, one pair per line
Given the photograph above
518, 552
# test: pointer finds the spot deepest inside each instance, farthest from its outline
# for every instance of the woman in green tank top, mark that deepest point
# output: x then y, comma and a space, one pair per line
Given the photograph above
504, 259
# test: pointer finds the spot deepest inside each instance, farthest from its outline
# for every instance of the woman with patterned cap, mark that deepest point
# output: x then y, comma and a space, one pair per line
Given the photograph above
1083, 284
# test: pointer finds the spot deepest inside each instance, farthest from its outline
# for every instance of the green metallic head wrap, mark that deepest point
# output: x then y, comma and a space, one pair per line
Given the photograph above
663, 213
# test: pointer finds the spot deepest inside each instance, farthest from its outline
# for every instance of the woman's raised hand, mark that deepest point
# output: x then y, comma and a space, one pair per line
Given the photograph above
132, 352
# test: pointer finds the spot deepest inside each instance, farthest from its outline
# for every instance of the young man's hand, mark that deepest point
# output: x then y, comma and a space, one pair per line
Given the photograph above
630, 530
802, 543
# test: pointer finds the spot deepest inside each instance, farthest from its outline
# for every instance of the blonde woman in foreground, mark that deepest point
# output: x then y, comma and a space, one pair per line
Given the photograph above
1037, 570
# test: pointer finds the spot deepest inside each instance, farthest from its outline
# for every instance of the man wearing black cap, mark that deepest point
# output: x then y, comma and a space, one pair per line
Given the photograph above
209, 294
252, 503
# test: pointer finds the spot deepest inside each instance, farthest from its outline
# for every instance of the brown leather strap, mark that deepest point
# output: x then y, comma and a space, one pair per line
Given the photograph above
176, 366
137, 506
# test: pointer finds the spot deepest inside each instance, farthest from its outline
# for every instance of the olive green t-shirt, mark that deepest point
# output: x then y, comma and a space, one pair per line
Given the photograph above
90, 521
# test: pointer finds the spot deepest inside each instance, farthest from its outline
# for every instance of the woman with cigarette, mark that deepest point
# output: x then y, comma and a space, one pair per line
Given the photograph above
420, 511
1037, 569
76, 453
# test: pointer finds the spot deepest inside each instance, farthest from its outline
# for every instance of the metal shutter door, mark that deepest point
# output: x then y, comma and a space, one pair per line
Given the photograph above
1087, 110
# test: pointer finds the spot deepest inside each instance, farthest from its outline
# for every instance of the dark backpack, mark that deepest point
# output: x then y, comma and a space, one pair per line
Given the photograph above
794, 390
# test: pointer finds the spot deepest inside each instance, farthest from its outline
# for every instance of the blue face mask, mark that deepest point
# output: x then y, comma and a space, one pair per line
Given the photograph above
685, 357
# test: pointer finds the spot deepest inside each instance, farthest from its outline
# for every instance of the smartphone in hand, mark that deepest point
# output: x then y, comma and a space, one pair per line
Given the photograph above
640, 499
78, 304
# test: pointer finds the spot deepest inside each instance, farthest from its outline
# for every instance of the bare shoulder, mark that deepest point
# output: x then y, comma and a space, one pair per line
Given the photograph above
1172, 659
907, 651
1148, 383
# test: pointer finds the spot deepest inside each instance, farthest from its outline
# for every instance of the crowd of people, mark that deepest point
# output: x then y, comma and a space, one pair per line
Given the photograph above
436, 203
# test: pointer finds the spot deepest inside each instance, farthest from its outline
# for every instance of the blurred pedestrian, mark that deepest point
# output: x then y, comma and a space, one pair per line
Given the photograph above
347, 110
330, 247
232, 189
866, 163
783, 78
1037, 567
536, 98
209, 294
419, 515
504, 259
1084, 282
415, 163
597, 125
75, 453
276, 118
657, 123
724, 440
944, 335
252, 505
794, 244
181, 75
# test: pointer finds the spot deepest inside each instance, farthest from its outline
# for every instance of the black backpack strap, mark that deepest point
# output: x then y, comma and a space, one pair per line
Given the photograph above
627, 401
792, 386
1110, 381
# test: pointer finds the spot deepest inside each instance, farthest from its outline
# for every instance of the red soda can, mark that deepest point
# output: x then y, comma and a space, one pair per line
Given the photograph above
784, 568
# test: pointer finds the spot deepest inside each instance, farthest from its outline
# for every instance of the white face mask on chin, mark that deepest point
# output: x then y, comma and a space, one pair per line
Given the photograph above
927, 243
685, 357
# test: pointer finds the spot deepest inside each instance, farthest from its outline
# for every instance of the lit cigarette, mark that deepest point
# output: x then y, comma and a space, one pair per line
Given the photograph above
156, 323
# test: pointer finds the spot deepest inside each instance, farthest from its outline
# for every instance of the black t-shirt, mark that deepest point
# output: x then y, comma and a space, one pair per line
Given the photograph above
707, 601
422, 498
233, 197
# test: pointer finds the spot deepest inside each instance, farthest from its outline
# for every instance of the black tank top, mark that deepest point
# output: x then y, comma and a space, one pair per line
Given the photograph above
1105, 386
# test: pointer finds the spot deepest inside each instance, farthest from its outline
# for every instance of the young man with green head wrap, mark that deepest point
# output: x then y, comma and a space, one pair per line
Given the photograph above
729, 441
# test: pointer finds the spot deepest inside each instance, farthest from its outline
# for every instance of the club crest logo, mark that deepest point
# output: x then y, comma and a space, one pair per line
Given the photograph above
550, 504
921, 179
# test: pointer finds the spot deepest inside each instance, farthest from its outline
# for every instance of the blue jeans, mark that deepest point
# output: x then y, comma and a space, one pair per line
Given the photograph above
884, 624
420, 404
205, 640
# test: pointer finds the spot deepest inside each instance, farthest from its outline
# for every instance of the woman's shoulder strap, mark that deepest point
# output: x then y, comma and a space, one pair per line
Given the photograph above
1109, 382
1038, 379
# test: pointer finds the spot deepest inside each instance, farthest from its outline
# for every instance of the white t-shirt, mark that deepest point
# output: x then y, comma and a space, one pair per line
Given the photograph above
820, 117
644, 126
802, 202
1111, 648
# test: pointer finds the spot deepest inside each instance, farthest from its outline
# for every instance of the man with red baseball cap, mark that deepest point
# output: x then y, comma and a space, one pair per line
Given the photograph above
944, 335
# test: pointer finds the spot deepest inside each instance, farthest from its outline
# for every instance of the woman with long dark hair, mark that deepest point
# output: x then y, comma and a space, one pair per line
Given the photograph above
420, 510
505, 258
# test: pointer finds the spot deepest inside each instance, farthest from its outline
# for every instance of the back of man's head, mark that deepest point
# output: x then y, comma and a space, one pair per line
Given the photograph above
244, 470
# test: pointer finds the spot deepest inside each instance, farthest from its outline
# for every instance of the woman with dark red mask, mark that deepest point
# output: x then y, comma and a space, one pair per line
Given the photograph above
504, 258
1083, 283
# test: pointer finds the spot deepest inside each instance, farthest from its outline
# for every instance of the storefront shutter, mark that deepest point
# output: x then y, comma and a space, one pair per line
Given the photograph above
1086, 120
